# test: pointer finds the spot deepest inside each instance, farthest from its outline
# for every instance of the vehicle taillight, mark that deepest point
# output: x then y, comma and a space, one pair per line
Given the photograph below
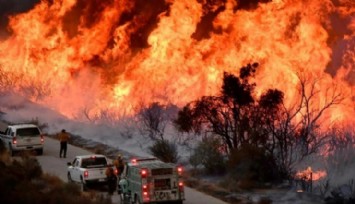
144, 173
42, 139
86, 174
116, 171
14, 141
145, 192
145, 186
179, 170
181, 186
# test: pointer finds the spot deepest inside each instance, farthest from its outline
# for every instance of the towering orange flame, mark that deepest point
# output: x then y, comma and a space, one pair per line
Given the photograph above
112, 54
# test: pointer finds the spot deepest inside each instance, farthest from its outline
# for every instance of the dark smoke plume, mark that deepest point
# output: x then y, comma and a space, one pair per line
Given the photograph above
144, 18
211, 9
90, 11
341, 46
12, 7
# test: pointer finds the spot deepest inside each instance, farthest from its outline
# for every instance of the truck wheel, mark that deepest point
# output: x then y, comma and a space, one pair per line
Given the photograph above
83, 186
119, 189
69, 178
12, 152
40, 152
125, 199
122, 198
136, 200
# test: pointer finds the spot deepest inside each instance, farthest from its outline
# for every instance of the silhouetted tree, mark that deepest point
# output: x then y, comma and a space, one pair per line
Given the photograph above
234, 115
288, 134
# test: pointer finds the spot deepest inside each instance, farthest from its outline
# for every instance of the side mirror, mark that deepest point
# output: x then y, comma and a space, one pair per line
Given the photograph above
69, 163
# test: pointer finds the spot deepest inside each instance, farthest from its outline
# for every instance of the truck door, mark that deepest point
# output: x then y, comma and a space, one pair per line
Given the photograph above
76, 170
6, 137
10, 135
124, 181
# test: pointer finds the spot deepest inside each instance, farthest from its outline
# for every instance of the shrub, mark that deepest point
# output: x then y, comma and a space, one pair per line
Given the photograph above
208, 154
165, 151
251, 165
22, 181
31, 167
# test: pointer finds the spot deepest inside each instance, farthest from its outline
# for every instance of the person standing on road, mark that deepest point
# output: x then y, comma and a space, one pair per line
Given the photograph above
119, 164
63, 138
111, 179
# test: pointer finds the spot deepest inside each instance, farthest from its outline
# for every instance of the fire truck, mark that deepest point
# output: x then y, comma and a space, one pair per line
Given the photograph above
151, 181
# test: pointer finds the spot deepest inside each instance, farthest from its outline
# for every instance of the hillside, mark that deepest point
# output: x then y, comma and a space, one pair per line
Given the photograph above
123, 137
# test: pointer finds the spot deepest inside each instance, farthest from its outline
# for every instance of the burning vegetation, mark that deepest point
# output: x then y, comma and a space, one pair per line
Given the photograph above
112, 54
104, 58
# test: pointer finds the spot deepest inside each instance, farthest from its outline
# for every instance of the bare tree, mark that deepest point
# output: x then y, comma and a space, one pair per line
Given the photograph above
291, 139
310, 134
154, 118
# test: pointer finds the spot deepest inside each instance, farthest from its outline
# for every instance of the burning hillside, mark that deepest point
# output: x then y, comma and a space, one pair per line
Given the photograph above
112, 54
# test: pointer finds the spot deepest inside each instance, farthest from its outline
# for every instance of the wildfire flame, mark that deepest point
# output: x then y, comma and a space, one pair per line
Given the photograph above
310, 175
112, 54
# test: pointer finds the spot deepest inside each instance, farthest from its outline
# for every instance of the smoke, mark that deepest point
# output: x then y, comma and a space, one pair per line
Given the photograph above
342, 41
144, 16
250, 4
82, 53
12, 7
211, 9
85, 14
123, 135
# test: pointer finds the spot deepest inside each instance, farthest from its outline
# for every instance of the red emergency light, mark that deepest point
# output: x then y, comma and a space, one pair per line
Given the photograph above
144, 173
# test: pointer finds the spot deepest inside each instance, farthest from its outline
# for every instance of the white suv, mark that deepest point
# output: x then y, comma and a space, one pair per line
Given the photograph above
23, 137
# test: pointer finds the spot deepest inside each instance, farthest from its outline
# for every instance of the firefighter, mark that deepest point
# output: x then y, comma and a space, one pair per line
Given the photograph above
111, 179
63, 138
119, 164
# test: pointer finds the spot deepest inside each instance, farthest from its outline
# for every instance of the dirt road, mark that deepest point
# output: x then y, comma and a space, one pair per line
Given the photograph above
51, 163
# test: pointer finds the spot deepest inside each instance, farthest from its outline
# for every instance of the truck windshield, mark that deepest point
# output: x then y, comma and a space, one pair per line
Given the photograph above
33, 131
94, 162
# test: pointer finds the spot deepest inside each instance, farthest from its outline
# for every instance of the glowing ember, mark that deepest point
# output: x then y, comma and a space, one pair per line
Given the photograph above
309, 175
111, 55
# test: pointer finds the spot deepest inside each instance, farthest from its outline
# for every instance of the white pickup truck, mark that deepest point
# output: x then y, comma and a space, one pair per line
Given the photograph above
88, 169
20, 137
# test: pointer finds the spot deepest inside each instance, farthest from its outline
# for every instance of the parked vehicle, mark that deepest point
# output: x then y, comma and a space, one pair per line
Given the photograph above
151, 181
20, 137
87, 170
